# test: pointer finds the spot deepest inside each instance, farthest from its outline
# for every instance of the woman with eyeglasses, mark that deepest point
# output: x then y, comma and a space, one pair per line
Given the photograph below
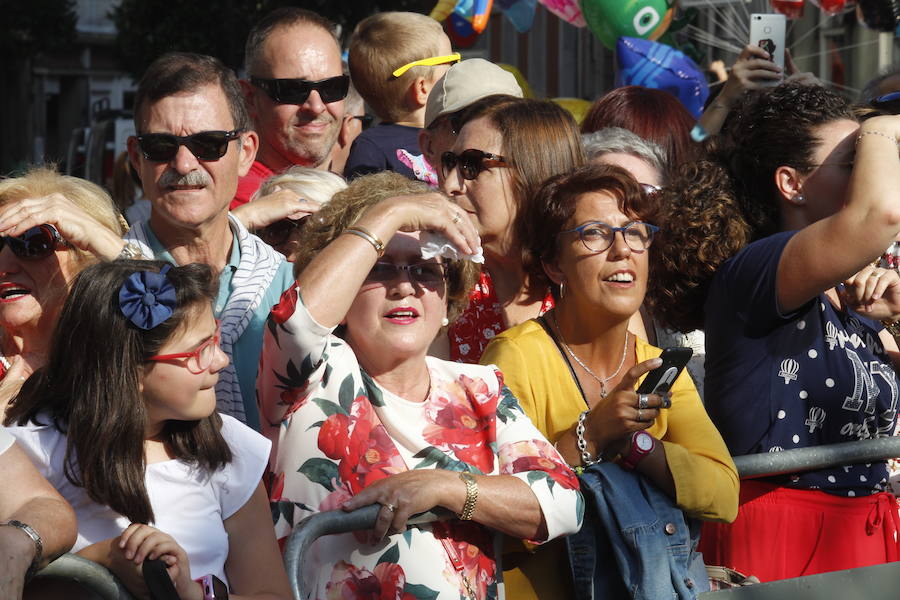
122, 421
769, 247
575, 368
505, 149
51, 227
361, 415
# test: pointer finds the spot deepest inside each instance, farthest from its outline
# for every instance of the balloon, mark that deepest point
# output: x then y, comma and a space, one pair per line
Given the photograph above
576, 107
442, 9
654, 65
880, 15
792, 9
471, 16
612, 19
519, 12
830, 7
567, 10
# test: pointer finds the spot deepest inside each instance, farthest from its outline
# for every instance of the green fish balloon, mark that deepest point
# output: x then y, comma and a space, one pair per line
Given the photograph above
611, 19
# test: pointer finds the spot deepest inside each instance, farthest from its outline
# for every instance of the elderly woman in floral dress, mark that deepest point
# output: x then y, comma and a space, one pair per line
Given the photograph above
361, 415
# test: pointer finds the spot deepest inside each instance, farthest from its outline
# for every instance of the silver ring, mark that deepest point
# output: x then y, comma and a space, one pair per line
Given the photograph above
643, 401
389, 506
456, 219
640, 416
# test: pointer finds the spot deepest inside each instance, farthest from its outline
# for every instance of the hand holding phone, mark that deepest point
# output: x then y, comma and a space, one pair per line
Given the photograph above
659, 381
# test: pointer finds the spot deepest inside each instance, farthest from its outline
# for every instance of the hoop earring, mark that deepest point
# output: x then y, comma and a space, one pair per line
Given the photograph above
562, 289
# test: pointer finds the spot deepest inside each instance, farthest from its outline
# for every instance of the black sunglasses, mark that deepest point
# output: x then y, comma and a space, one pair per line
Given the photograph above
279, 232
427, 274
38, 242
296, 91
471, 162
205, 145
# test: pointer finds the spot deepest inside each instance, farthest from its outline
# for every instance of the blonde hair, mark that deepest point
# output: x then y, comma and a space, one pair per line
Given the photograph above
381, 44
345, 209
89, 197
313, 184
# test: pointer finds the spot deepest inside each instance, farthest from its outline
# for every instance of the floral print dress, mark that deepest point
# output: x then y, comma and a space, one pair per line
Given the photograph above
337, 431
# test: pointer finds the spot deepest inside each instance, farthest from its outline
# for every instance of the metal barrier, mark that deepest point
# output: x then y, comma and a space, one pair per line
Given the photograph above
749, 466
91, 576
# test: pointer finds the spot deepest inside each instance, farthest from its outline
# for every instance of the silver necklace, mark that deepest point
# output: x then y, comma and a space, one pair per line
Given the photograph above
600, 380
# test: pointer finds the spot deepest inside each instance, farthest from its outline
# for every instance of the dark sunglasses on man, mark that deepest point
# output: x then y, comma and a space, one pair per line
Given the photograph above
205, 145
36, 243
471, 162
296, 91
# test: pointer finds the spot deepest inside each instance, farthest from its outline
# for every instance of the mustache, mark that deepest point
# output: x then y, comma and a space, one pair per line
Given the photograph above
172, 178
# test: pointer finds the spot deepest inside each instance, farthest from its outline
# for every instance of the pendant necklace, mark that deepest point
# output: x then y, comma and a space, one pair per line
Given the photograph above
602, 381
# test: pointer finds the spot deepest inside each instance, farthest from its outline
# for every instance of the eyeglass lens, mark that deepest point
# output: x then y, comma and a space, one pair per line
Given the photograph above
598, 237
205, 145
471, 162
37, 242
296, 91
426, 273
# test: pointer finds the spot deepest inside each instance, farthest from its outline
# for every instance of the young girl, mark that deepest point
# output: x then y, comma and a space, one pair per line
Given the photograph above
122, 421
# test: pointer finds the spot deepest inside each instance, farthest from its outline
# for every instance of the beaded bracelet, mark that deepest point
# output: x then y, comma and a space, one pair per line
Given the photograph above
873, 132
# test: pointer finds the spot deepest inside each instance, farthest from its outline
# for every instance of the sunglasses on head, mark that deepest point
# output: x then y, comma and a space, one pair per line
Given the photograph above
471, 162
205, 145
38, 242
296, 91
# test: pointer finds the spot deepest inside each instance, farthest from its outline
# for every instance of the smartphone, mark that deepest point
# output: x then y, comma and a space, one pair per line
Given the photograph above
767, 32
660, 379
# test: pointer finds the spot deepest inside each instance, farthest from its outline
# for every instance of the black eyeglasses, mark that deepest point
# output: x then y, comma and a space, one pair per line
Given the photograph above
598, 236
366, 120
279, 232
296, 91
426, 274
471, 162
205, 145
38, 242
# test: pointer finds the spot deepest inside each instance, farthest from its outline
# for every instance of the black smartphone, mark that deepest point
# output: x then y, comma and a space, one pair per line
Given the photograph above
660, 379
159, 584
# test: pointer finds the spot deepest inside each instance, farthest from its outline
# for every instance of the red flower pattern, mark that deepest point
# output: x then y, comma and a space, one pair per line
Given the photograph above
286, 306
385, 582
536, 455
464, 424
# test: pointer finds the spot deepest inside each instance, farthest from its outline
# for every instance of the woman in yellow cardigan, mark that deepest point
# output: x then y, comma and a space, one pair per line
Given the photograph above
575, 369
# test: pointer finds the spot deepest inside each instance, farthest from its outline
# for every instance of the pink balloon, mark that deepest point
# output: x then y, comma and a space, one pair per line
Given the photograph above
567, 10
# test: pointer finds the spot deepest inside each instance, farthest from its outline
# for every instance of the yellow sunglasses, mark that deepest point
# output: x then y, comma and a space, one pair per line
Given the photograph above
428, 62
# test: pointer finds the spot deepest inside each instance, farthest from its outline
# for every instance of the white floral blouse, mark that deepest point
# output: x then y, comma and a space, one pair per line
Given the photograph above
337, 431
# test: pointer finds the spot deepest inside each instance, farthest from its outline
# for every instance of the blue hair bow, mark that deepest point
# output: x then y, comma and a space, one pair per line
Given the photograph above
147, 298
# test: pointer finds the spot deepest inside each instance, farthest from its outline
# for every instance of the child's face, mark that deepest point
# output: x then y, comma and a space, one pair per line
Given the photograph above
169, 389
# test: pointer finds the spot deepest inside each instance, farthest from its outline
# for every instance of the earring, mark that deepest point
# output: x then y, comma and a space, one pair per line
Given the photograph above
445, 321
799, 199
562, 289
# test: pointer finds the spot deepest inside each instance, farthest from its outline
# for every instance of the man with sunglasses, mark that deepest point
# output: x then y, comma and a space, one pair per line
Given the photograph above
194, 140
295, 91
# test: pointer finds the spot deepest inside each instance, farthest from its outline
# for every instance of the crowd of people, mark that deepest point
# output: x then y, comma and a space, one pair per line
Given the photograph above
438, 315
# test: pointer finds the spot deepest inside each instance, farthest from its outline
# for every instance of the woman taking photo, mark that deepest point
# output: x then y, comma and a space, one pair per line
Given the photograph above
575, 369
364, 416
121, 420
769, 246
52, 226
505, 149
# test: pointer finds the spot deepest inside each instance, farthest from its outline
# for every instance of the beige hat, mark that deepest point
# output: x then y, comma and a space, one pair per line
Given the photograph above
466, 82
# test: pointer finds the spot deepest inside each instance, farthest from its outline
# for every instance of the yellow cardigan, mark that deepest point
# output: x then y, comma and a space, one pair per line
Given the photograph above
706, 481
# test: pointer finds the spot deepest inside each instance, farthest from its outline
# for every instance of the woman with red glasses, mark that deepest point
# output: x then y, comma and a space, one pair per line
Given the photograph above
361, 415
51, 227
121, 420
505, 149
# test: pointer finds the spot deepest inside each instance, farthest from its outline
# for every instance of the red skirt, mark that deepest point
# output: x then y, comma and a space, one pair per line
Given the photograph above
781, 533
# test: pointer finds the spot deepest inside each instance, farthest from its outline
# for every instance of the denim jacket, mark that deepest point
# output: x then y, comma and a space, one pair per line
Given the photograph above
631, 525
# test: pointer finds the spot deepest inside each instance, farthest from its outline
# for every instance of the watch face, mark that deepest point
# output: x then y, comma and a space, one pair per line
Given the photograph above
643, 441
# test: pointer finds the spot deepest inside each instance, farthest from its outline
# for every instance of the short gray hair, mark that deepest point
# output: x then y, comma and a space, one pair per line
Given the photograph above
313, 184
622, 141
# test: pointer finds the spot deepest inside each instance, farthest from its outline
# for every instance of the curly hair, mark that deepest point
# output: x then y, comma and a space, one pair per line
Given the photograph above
554, 205
345, 209
714, 207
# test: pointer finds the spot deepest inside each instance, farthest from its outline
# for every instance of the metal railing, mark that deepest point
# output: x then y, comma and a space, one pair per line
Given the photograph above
88, 574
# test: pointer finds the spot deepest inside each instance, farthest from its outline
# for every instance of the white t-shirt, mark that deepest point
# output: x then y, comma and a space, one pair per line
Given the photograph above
6, 440
189, 504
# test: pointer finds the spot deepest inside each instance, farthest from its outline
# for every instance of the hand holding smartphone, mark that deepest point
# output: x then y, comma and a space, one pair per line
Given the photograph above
659, 381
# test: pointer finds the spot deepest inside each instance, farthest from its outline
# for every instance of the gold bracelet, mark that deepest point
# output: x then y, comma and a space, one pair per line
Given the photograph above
893, 327
471, 496
369, 237
873, 132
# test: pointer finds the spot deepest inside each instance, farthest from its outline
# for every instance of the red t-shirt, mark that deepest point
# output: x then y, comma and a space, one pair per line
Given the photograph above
249, 183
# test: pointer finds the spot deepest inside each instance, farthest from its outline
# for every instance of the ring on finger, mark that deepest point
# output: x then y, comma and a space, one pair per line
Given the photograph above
643, 401
456, 219
640, 415
389, 506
